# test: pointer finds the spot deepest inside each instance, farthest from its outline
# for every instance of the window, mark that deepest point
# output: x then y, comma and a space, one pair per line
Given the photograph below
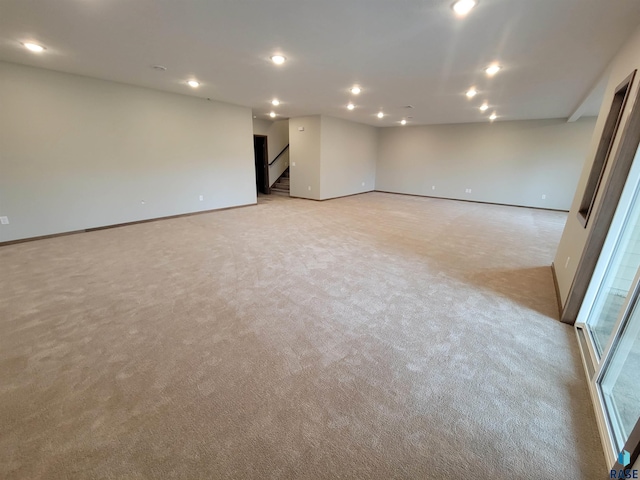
604, 149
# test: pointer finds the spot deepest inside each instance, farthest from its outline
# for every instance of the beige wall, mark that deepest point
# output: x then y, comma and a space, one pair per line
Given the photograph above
575, 235
349, 152
331, 157
77, 152
304, 157
261, 127
513, 163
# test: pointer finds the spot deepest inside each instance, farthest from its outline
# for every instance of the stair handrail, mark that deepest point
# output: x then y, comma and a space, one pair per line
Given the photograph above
278, 156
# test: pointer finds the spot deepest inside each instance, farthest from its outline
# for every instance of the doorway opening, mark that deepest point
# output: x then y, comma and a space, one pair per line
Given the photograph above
261, 155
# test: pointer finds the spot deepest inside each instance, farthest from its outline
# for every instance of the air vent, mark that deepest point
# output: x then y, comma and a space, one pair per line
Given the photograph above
408, 106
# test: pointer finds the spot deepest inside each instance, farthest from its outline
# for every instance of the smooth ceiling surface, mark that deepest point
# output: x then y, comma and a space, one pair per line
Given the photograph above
402, 52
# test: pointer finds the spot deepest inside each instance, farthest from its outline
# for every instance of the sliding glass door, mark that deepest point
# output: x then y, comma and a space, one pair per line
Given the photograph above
620, 380
609, 324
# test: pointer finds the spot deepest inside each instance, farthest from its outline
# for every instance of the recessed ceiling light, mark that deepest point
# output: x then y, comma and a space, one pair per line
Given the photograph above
462, 7
380, 114
472, 92
403, 122
34, 47
272, 114
355, 90
484, 107
193, 83
275, 102
491, 70
278, 59
351, 106
493, 116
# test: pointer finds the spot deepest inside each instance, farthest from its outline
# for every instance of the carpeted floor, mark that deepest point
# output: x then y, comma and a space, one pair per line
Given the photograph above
376, 336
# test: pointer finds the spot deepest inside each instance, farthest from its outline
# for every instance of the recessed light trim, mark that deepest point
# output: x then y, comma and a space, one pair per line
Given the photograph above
272, 114
472, 92
278, 59
493, 116
484, 107
193, 83
355, 90
380, 115
275, 102
33, 47
491, 70
160, 68
463, 7
403, 122
350, 106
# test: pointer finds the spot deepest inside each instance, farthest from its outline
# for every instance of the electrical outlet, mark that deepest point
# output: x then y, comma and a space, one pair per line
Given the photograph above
201, 197
293, 164
468, 190
142, 202
544, 197
433, 187
4, 220
363, 184
309, 187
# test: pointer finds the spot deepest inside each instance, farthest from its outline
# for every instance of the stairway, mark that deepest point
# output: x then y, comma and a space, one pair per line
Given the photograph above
281, 187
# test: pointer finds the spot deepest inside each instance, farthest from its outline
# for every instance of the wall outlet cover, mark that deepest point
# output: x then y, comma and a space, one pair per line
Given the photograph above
4, 220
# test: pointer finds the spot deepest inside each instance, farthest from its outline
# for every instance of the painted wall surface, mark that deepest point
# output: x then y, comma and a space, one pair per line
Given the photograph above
304, 157
348, 157
575, 235
261, 127
513, 163
278, 138
77, 152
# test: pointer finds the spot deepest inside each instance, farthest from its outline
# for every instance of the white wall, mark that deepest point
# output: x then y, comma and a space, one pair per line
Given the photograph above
513, 163
304, 157
348, 152
77, 152
575, 235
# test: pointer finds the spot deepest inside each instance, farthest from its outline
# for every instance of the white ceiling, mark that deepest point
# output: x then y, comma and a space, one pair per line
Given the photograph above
402, 52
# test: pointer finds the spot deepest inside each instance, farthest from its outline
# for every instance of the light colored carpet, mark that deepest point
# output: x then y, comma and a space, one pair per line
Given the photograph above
377, 336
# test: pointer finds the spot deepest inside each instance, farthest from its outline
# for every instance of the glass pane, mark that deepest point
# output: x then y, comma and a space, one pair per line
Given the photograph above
620, 384
617, 280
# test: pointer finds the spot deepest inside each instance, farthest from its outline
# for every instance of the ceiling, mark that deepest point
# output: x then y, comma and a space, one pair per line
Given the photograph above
402, 52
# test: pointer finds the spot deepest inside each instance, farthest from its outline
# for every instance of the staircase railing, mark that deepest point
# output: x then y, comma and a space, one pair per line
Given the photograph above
278, 156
